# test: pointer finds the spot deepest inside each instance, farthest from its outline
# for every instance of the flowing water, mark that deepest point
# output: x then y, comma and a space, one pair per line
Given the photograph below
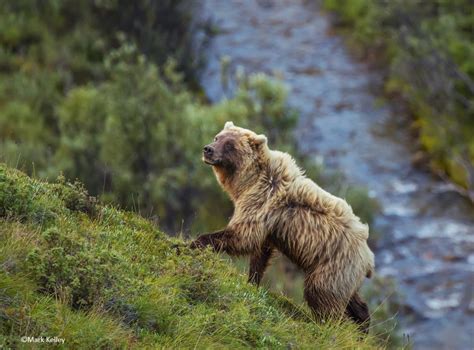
427, 242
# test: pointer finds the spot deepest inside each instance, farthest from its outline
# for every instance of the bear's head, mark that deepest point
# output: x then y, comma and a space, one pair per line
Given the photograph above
235, 154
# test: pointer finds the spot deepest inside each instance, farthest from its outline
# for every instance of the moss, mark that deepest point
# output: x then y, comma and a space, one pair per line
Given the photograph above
113, 280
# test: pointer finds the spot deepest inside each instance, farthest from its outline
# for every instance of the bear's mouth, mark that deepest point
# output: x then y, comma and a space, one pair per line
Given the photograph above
212, 162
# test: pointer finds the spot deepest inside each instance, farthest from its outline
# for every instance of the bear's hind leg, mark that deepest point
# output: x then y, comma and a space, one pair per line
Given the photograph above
358, 311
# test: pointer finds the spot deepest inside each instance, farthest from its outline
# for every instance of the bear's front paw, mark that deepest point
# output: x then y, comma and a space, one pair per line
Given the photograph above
198, 243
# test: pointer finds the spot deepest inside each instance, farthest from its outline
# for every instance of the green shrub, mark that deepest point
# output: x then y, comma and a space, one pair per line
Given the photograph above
48, 48
66, 268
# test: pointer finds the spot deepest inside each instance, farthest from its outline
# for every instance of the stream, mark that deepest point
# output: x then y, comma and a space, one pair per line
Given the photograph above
427, 229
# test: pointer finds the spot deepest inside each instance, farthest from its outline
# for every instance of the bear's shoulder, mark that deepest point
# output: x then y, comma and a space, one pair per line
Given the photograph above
284, 165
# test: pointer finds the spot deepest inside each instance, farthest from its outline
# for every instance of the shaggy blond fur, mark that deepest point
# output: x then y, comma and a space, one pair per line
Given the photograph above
278, 207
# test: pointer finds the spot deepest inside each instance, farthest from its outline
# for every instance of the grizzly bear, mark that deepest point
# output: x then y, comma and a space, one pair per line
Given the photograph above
277, 207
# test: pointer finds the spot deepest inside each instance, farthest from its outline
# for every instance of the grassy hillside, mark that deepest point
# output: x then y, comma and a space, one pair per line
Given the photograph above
104, 278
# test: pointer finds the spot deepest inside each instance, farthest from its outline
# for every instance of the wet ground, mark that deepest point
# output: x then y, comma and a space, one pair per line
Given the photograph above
428, 229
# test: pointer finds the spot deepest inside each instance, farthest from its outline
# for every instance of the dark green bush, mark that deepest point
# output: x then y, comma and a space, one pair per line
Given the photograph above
70, 268
23, 202
49, 47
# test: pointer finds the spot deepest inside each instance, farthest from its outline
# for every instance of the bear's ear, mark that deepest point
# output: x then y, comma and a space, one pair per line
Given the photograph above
259, 140
228, 125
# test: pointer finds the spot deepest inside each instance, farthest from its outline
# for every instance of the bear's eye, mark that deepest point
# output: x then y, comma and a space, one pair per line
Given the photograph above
215, 139
228, 146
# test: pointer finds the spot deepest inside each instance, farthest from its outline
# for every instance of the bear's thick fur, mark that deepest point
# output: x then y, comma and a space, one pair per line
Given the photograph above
278, 207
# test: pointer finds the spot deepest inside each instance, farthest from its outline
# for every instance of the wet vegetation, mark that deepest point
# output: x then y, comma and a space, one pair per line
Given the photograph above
426, 49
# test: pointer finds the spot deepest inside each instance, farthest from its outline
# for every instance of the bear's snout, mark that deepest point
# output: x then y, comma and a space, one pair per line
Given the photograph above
209, 155
208, 151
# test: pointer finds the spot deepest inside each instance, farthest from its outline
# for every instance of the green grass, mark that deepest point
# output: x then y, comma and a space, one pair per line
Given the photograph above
102, 278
